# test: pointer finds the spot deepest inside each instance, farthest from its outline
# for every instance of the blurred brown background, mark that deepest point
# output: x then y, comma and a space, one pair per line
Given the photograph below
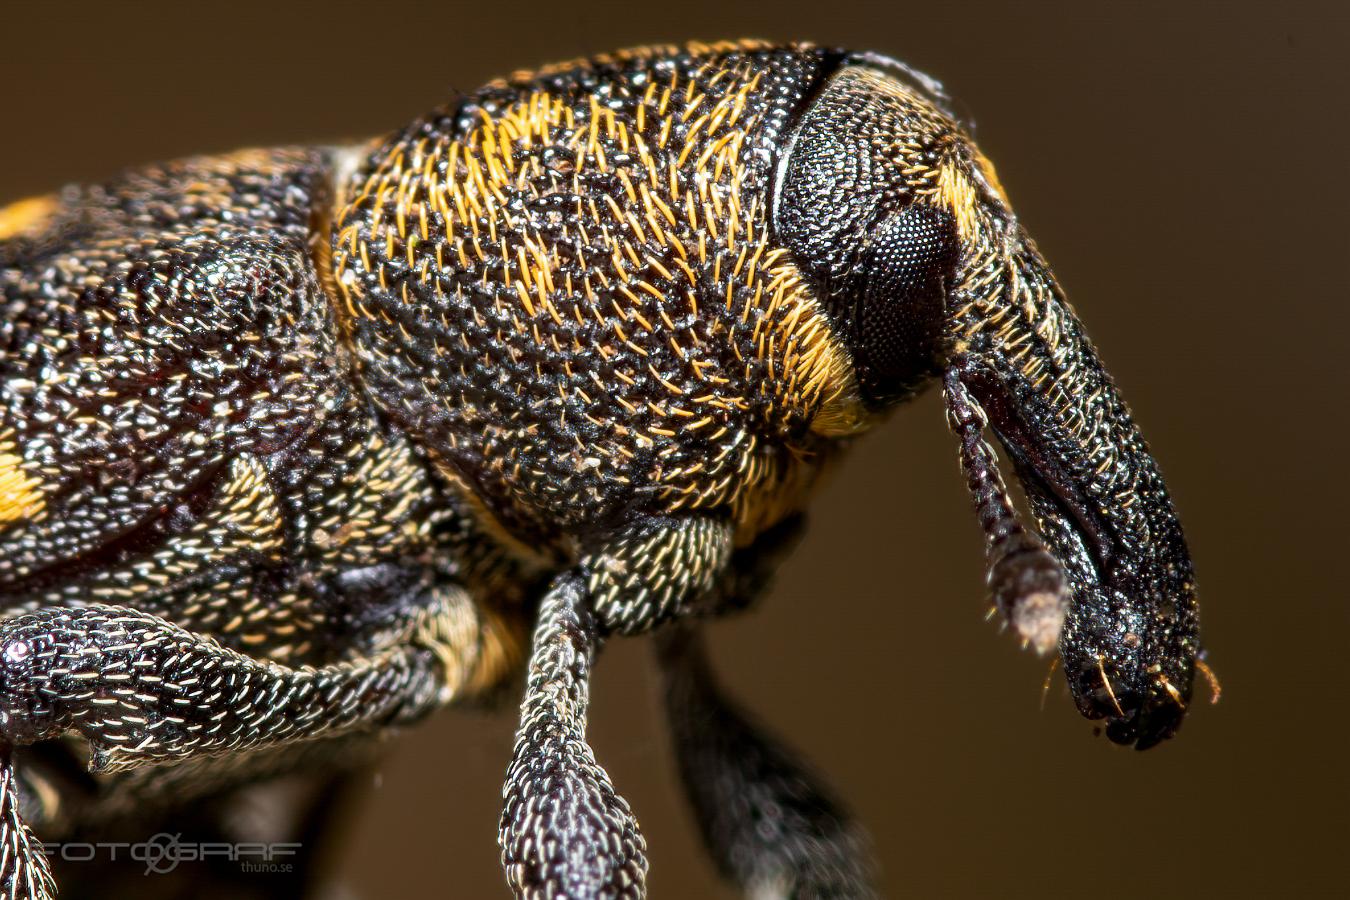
1183, 168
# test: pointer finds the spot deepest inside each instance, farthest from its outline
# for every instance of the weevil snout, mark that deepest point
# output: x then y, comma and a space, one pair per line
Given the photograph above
900, 220
1100, 511
1129, 626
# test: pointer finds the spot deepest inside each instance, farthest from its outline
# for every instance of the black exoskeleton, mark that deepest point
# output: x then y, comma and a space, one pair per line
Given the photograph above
298, 445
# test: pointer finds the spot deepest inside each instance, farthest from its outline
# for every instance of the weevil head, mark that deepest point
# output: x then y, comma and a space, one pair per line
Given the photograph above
874, 196
900, 221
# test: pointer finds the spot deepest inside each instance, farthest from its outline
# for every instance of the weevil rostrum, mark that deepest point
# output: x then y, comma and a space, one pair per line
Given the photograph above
298, 445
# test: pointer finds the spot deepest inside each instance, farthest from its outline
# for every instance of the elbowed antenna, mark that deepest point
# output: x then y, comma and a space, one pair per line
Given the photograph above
1027, 584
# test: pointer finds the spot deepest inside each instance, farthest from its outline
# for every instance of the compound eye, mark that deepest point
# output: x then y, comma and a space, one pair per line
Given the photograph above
895, 329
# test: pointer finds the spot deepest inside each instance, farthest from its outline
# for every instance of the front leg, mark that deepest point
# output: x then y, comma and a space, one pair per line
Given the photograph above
565, 832
773, 828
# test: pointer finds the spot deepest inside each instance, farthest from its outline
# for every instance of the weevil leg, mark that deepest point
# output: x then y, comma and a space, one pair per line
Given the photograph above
659, 570
564, 831
25, 871
141, 690
771, 826
1028, 585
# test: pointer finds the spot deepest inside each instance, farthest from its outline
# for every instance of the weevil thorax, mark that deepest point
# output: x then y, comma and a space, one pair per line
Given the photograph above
566, 287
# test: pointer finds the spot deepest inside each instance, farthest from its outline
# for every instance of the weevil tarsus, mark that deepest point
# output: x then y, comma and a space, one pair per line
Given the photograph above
25, 869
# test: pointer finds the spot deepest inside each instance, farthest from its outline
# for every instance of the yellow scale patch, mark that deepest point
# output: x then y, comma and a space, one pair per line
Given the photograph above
475, 645
20, 495
957, 192
21, 499
26, 216
501, 647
